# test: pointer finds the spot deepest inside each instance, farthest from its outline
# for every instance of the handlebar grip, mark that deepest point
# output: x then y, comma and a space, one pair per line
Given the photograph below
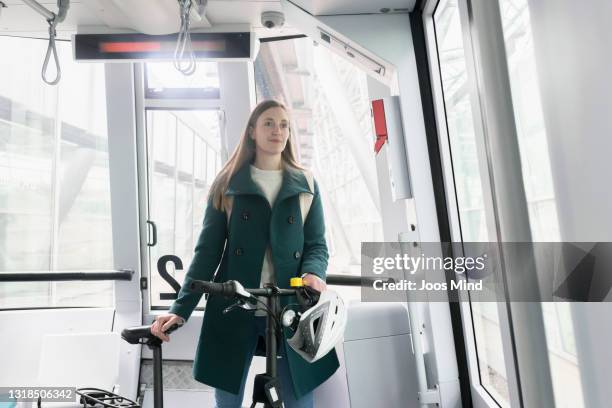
227, 289
172, 328
134, 335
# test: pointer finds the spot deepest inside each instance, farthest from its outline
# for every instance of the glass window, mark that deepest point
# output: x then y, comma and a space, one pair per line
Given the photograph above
163, 80
337, 159
54, 179
468, 186
530, 126
184, 146
539, 190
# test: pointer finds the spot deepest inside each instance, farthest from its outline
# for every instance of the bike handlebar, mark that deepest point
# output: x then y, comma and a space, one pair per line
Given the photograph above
233, 288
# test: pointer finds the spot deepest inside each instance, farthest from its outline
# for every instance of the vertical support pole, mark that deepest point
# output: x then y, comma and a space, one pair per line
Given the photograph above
122, 157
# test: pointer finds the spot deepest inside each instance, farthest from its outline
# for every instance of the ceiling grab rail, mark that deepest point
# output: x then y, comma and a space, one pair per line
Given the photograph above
188, 9
53, 20
183, 43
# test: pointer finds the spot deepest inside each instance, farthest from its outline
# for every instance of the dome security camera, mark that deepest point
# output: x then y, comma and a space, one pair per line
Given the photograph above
272, 19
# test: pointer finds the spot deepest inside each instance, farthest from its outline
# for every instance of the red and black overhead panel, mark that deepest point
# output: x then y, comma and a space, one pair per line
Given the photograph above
133, 46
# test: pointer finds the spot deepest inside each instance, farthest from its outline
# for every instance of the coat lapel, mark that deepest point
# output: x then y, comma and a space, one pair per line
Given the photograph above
242, 183
294, 182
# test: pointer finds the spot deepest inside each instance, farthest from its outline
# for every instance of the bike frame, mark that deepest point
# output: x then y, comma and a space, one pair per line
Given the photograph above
271, 292
236, 290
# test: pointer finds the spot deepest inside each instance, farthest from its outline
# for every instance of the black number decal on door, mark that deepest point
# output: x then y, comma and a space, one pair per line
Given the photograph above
161, 268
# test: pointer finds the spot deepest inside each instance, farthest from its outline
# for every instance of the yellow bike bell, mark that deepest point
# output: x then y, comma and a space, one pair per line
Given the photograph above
296, 282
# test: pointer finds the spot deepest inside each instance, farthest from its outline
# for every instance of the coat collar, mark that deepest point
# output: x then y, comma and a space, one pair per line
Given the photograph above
294, 182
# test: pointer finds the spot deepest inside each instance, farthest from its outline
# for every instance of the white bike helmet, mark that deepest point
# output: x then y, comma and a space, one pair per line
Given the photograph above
320, 328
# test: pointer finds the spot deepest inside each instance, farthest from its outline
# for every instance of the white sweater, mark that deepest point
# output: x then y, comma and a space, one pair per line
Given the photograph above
270, 182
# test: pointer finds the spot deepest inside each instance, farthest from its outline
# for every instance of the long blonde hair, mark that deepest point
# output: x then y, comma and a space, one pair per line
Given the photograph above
245, 152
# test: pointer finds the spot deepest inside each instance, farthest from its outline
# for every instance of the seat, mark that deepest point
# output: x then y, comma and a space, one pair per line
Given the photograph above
79, 360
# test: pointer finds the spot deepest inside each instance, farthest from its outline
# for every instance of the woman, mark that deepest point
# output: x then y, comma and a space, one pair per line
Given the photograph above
254, 233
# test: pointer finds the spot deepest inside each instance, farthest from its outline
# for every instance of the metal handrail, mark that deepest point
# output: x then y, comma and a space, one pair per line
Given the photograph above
353, 280
46, 276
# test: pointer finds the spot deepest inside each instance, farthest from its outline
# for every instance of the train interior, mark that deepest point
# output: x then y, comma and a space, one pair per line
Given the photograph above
423, 122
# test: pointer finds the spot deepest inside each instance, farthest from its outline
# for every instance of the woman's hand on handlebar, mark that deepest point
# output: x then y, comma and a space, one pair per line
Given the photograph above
314, 282
163, 323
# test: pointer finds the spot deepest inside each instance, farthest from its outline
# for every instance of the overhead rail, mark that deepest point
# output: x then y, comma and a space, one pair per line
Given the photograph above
36, 276
53, 20
358, 57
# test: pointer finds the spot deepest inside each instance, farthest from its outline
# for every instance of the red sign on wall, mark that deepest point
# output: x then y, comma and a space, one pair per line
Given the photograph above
380, 124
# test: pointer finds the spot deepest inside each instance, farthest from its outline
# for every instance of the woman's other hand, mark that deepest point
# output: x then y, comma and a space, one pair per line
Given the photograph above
163, 323
314, 282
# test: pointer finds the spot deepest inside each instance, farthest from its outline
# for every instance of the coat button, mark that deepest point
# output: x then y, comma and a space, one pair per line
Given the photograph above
291, 220
238, 251
245, 216
297, 254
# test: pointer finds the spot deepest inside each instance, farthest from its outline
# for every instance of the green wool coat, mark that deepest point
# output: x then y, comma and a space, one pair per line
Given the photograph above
235, 251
